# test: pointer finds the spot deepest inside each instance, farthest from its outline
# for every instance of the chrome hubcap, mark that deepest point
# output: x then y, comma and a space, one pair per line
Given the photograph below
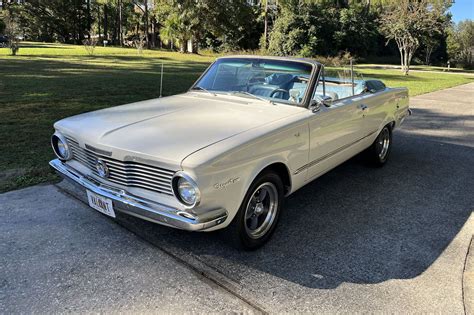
383, 143
261, 210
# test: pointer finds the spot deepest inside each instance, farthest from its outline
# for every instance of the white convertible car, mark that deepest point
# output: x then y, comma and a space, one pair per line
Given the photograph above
251, 131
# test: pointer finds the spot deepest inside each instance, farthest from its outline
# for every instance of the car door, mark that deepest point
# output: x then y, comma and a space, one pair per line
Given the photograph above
380, 102
335, 134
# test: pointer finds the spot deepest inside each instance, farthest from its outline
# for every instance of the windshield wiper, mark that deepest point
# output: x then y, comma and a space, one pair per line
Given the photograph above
252, 95
199, 88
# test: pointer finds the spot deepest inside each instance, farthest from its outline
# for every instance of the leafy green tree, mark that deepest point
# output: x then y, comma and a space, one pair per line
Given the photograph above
180, 23
357, 30
310, 28
224, 22
430, 43
461, 43
407, 22
12, 30
233, 23
303, 29
62, 20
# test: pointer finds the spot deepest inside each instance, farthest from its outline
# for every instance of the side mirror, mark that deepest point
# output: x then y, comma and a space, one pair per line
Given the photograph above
315, 104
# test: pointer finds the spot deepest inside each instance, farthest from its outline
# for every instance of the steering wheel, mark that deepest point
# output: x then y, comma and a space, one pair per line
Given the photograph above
275, 91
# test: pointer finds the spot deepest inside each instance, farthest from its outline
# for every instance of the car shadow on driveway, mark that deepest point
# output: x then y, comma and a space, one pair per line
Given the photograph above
355, 224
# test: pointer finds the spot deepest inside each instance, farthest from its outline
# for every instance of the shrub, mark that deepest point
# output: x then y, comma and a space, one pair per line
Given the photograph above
89, 45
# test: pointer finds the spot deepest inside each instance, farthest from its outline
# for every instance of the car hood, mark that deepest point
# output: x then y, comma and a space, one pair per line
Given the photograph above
171, 128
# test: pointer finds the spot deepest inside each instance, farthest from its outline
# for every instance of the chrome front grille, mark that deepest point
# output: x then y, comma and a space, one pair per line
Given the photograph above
130, 174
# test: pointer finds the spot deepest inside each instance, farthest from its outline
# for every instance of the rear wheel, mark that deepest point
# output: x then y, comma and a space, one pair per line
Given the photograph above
379, 151
258, 215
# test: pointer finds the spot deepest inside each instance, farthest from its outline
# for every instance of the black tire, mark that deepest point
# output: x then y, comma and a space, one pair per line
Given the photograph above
238, 232
379, 152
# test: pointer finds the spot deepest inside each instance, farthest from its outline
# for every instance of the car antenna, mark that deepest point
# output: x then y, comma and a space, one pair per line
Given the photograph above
161, 81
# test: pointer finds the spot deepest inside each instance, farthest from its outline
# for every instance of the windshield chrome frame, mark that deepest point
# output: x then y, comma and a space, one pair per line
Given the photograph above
313, 78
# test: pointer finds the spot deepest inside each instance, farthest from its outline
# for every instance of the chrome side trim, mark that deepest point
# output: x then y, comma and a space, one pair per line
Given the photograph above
330, 154
139, 207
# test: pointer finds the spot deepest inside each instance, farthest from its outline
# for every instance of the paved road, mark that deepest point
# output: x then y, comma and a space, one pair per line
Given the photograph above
356, 240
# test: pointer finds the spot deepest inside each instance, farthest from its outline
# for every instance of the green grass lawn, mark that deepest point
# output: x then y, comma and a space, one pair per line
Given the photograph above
47, 82
421, 68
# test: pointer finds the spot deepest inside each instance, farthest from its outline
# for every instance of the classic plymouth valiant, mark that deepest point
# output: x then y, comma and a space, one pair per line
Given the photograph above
251, 131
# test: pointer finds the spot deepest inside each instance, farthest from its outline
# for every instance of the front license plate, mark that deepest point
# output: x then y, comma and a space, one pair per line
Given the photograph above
101, 204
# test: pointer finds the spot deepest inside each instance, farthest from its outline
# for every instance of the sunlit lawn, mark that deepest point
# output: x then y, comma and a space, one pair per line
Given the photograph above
47, 82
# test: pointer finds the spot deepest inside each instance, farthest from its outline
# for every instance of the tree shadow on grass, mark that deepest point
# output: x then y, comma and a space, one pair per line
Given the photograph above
48, 46
36, 92
80, 78
400, 77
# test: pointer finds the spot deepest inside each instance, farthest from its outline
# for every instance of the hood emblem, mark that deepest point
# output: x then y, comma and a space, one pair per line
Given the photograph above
102, 169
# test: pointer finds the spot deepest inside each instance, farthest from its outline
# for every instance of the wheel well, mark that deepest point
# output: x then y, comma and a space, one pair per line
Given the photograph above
281, 170
391, 125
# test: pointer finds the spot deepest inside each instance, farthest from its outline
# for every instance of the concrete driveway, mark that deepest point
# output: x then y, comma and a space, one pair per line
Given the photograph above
358, 239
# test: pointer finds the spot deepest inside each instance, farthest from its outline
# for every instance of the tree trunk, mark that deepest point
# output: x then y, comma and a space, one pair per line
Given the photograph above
402, 60
406, 52
429, 51
195, 46
405, 62
120, 23
115, 34
106, 22
74, 25
153, 32
265, 31
89, 19
153, 25
146, 24
98, 23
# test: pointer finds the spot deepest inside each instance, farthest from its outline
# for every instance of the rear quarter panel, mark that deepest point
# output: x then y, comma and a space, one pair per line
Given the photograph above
385, 107
401, 106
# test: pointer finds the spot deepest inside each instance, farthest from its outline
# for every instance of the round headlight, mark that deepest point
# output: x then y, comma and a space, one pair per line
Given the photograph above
186, 190
60, 147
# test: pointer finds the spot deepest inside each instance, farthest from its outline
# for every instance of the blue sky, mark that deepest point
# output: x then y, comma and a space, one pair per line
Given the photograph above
462, 9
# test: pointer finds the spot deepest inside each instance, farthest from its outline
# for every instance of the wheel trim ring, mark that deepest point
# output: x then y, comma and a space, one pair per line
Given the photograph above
270, 211
383, 143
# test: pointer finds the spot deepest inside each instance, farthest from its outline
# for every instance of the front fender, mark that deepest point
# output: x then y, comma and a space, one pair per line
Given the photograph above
224, 180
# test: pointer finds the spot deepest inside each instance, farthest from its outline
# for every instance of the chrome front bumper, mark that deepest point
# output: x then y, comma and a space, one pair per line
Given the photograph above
144, 209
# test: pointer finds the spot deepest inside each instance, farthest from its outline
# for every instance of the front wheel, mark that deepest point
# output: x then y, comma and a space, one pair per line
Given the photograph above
379, 151
258, 215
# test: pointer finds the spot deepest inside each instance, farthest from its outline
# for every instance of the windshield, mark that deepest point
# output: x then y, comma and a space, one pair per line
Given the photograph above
265, 79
